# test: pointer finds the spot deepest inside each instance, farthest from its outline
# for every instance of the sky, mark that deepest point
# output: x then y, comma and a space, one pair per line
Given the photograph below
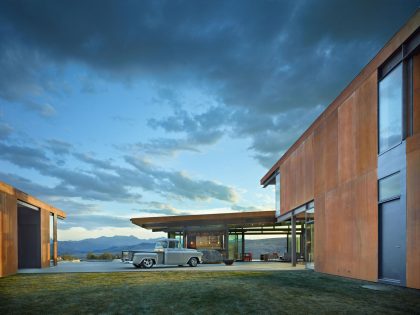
117, 109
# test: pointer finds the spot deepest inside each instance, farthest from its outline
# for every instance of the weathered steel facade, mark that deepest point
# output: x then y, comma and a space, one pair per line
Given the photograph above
25, 231
337, 164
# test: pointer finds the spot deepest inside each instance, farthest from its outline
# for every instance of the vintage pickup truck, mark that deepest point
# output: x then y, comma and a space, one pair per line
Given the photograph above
167, 252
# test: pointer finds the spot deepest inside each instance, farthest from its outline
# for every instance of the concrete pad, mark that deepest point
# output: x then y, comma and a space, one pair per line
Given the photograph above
118, 266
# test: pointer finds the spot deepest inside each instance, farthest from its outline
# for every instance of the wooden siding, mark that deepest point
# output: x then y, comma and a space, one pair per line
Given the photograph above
297, 177
413, 187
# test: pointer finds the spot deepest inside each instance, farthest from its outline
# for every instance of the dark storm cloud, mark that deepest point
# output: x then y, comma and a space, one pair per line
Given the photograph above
270, 135
105, 181
253, 51
5, 130
258, 58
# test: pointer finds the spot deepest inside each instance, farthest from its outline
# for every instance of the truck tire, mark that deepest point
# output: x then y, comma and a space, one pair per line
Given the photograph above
147, 263
193, 262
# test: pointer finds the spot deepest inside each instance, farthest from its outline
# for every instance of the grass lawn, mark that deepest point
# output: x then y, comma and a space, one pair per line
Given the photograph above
165, 292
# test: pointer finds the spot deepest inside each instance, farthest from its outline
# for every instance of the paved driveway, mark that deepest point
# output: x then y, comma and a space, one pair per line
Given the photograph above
118, 266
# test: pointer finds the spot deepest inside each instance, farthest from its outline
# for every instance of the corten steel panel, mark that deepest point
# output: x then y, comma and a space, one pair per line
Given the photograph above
413, 212
416, 94
326, 154
20, 195
9, 236
297, 177
2, 204
346, 229
45, 238
366, 73
309, 169
347, 140
331, 176
366, 101
320, 256
320, 164
283, 187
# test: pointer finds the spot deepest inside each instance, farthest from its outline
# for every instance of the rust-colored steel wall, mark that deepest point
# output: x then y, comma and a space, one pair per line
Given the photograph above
9, 237
336, 166
297, 177
346, 210
9, 228
45, 238
339, 152
413, 186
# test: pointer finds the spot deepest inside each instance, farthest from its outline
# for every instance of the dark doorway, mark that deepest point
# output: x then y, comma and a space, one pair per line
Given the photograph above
29, 237
392, 242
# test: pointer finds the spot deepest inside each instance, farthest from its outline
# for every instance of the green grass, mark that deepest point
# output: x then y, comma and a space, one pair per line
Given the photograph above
289, 292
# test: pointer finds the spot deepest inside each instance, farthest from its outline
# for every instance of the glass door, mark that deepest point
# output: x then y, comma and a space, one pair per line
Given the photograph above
309, 238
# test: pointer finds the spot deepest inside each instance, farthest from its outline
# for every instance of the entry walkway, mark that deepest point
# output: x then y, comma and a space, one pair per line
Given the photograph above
118, 266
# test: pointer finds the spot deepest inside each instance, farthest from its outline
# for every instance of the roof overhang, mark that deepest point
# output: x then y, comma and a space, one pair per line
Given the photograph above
29, 201
207, 221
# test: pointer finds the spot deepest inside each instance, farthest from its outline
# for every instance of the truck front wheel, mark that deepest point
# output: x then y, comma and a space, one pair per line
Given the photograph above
147, 263
193, 262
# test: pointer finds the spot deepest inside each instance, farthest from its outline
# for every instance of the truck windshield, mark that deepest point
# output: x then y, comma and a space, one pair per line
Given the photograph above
161, 245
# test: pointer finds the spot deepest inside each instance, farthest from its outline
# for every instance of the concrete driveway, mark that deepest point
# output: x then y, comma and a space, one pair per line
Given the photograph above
118, 266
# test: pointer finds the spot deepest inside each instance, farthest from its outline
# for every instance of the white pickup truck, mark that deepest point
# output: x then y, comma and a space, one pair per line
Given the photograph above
167, 252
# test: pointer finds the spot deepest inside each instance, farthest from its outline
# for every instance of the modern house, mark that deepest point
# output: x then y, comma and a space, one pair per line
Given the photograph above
28, 231
353, 177
347, 192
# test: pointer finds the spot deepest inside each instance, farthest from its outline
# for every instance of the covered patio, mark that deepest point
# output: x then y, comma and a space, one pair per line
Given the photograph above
225, 232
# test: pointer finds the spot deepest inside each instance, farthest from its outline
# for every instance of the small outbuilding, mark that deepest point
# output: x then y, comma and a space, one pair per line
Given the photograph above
28, 231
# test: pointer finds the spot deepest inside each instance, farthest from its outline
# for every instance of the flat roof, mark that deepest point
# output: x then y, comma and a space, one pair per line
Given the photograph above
211, 221
22, 196
393, 44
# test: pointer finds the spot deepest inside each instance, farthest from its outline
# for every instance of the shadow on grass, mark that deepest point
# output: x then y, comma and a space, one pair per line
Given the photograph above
295, 292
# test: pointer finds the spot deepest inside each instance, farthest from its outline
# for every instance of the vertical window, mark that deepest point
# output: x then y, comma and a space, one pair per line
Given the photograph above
390, 187
390, 109
278, 195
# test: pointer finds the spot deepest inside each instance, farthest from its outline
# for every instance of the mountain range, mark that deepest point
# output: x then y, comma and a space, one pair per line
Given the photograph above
116, 244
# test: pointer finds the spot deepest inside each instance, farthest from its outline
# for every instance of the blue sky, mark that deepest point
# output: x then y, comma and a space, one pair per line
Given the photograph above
118, 109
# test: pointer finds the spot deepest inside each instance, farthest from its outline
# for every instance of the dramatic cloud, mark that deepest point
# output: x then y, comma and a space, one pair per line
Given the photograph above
252, 54
156, 78
5, 130
244, 209
159, 208
95, 221
108, 182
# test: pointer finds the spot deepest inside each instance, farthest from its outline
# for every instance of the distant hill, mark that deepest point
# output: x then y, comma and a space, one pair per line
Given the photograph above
116, 244
267, 245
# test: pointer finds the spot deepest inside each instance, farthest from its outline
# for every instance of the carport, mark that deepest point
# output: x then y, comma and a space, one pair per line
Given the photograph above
224, 232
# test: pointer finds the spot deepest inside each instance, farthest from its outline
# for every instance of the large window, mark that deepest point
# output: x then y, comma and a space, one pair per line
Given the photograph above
390, 109
278, 195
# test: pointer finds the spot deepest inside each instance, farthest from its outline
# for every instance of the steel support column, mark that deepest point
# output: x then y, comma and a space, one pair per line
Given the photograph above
184, 238
55, 241
243, 245
293, 254
226, 243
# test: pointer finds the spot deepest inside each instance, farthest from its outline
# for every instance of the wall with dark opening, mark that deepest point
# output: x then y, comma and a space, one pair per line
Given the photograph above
29, 238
